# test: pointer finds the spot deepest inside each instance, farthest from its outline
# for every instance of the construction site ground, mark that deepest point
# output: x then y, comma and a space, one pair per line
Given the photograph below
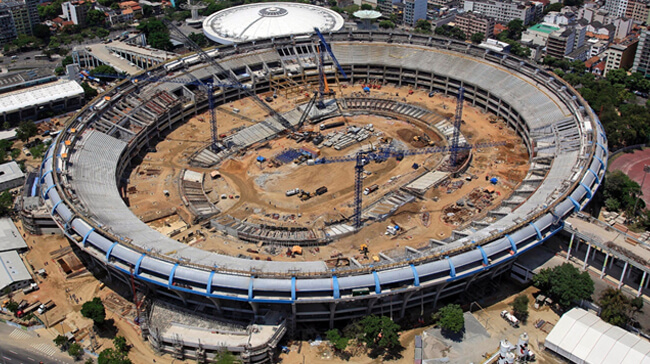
255, 191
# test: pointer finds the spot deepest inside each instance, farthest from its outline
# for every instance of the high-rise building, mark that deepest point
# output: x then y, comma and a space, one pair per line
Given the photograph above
506, 10
7, 26
75, 11
620, 55
414, 10
638, 10
616, 8
24, 14
560, 43
471, 23
385, 7
642, 57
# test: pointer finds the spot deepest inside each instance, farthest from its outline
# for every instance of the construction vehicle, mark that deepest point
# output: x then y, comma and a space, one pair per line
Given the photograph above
32, 287
363, 249
331, 125
45, 307
512, 320
304, 196
371, 189
295, 191
321, 190
27, 310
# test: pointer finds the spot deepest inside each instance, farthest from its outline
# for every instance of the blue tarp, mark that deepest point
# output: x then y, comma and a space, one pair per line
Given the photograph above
366, 89
261, 159
494, 180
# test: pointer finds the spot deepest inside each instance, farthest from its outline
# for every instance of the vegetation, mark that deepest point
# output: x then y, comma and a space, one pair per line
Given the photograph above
26, 130
386, 24
112, 356
199, 39
338, 342
423, 26
621, 193
62, 342
38, 151
157, 34
94, 310
89, 92
477, 38
226, 357
520, 307
75, 351
119, 342
565, 284
617, 308
449, 31
381, 335
104, 69
450, 318
6, 206
12, 305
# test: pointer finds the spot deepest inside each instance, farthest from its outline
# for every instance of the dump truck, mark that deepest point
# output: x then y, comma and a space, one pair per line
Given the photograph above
371, 189
321, 190
28, 310
295, 191
331, 125
45, 307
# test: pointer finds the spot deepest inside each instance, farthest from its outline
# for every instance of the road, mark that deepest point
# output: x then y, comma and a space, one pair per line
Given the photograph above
23, 347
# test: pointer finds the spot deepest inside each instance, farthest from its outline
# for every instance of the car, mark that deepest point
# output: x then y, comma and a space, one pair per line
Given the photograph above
268, 99
432, 93
28, 57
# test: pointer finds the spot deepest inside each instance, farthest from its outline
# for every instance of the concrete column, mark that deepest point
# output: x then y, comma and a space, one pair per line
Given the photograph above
638, 294
611, 262
435, 301
332, 312
216, 303
406, 298
584, 264
180, 295
568, 252
593, 255
602, 271
371, 305
620, 281
255, 307
629, 272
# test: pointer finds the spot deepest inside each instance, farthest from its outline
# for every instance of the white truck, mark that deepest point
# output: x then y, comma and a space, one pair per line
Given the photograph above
295, 191
512, 320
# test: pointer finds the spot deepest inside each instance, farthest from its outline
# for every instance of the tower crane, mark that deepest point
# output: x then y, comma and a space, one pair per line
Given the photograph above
230, 77
323, 87
207, 87
458, 117
362, 158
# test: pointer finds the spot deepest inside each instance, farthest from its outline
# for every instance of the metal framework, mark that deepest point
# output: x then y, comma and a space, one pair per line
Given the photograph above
458, 117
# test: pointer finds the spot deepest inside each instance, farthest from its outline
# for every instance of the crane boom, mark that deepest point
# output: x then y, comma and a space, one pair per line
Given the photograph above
329, 50
458, 118
228, 74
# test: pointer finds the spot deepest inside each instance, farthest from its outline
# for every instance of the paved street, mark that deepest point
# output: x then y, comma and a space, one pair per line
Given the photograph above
24, 347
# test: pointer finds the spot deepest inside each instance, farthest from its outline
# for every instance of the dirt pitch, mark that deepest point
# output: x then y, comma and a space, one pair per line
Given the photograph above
632, 164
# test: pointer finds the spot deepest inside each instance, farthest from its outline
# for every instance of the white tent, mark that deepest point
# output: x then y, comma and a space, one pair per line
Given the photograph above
583, 337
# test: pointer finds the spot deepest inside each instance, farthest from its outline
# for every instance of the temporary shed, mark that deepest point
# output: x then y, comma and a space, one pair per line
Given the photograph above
582, 337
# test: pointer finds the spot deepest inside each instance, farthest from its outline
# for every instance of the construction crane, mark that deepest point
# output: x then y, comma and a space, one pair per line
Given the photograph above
220, 70
458, 117
208, 87
364, 157
323, 88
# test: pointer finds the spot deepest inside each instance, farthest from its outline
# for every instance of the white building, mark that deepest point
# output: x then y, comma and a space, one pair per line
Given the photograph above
75, 11
13, 273
616, 8
11, 176
505, 11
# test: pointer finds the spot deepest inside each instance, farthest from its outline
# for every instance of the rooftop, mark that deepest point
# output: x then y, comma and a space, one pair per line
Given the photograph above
544, 28
10, 171
39, 95
10, 238
12, 269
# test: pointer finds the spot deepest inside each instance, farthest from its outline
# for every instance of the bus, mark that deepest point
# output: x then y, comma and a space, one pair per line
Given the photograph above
42, 57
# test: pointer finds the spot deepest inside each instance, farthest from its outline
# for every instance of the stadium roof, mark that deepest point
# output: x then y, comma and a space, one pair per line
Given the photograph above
266, 20
38, 95
10, 238
12, 269
583, 337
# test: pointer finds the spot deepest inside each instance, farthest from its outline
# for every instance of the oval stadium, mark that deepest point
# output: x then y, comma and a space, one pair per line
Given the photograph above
88, 180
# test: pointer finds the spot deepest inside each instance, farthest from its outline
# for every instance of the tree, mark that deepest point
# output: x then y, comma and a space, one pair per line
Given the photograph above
423, 26
366, 7
515, 28
565, 284
12, 306
6, 205
62, 342
89, 92
338, 342
617, 308
94, 310
199, 39
26, 130
622, 189
41, 31
450, 318
89, 361
520, 307
380, 332
75, 351
102, 33
477, 38
226, 357
120, 344
386, 24
160, 41
112, 356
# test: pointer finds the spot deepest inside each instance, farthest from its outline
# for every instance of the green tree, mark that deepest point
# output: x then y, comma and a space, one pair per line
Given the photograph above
119, 342
198, 38
94, 310
617, 308
515, 28
89, 361
338, 342
12, 306
380, 332
6, 206
477, 38
41, 31
89, 92
112, 356
621, 188
75, 351
565, 284
450, 318
386, 24
60, 71
66, 61
553, 7
520, 307
104, 69
62, 342
95, 17
423, 26
366, 7
160, 41
26, 130
102, 33
226, 357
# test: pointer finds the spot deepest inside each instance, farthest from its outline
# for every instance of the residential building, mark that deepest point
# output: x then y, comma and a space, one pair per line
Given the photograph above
561, 42
7, 26
621, 55
591, 14
557, 18
76, 11
472, 23
597, 46
616, 8
385, 7
414, 10
538, 34
642, 57
156, 7
638, 10
136, 8
24, 13
507, 10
